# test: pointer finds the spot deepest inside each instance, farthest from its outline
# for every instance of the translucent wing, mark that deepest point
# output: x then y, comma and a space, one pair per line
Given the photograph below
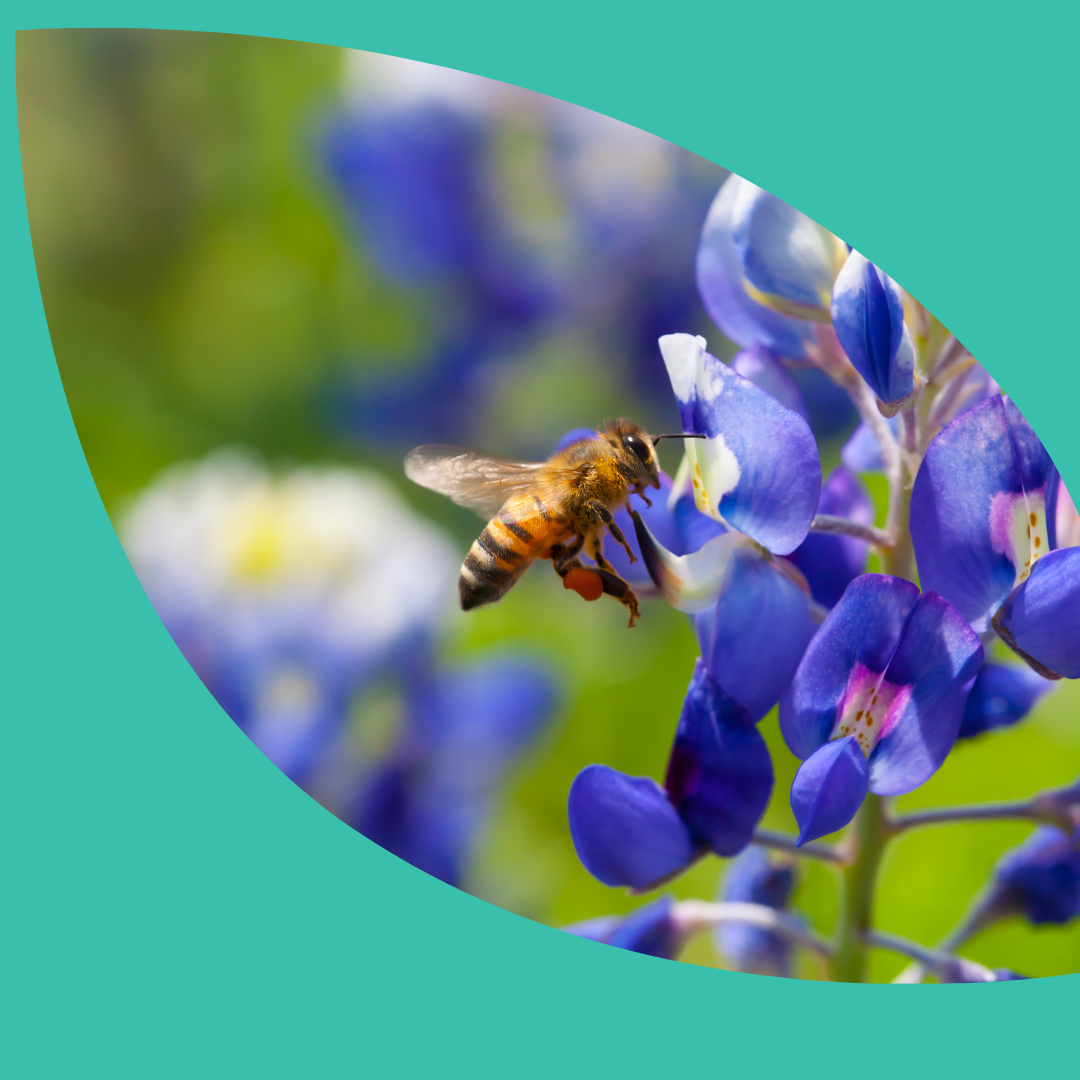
476, 481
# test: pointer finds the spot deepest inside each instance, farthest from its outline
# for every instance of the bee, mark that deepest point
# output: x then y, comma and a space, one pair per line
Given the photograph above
553, 509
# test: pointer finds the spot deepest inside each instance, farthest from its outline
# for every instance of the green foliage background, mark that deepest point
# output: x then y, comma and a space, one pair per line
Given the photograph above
202, 286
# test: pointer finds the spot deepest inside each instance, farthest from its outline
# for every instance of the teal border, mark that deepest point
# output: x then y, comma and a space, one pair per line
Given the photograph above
174, 906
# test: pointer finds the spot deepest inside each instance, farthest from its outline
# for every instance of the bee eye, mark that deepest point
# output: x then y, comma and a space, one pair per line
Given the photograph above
639, 446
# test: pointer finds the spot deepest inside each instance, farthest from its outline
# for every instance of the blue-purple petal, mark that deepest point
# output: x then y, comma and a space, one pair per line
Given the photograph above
767, 373
1041, 618
829, 788
831, 563
758, 467
625, 829
864, 628
754, 878
753, 638
1003, 695
862, 452
976, 473
868, 316
788, 261
1041, 878
939, 656
720, 283
650, 931
720, 774
599, 929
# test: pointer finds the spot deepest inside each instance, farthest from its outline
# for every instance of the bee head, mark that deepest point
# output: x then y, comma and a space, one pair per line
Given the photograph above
636, 449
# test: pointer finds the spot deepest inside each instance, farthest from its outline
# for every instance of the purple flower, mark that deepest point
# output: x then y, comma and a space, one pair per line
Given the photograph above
862, 451
1041, 878
1003, 695
427, 800
757, 469
758, 474
649, 930
980, 527
631, 831
830, 563
767, 373
876, 702
755, 878
765, 271
868, 316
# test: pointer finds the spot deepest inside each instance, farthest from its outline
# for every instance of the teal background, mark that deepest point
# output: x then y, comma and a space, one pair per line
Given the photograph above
157, 925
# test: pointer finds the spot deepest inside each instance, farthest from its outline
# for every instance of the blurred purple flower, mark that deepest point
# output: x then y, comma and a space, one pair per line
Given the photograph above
756, 878
649, 930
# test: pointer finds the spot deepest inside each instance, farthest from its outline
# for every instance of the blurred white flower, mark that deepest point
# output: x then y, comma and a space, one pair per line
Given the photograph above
286, 590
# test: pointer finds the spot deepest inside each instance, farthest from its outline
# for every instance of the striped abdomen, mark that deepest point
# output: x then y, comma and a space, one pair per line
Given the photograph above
506, 548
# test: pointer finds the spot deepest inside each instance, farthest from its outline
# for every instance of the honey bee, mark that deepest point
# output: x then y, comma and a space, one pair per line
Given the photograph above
553, 509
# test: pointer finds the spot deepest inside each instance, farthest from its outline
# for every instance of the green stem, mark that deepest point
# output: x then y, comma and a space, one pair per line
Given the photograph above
870, 835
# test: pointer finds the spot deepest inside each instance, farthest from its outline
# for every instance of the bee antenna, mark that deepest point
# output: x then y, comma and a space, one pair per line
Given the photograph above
682, 435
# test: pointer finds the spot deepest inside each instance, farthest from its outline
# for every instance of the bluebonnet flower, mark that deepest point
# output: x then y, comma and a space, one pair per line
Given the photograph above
649, 930
981, 534
868, 316
765, 272
429, 798
631, 831
862, 451
413, 156
831, 562
1040, 879
757, 474
634, 205
766, 371
1003, 695
296, 597
756, 878
877, 701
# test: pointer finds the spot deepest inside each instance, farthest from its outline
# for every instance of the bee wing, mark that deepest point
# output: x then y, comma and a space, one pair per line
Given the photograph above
476, 481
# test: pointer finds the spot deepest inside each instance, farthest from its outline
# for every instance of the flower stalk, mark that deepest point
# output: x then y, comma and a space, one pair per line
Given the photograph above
870, 834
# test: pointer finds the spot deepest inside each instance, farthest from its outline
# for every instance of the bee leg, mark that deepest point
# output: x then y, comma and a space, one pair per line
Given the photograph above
604, 514
563, 556
615, 586
584, 580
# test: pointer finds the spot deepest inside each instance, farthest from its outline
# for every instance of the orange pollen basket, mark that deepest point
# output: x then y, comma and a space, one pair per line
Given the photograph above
585, 583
